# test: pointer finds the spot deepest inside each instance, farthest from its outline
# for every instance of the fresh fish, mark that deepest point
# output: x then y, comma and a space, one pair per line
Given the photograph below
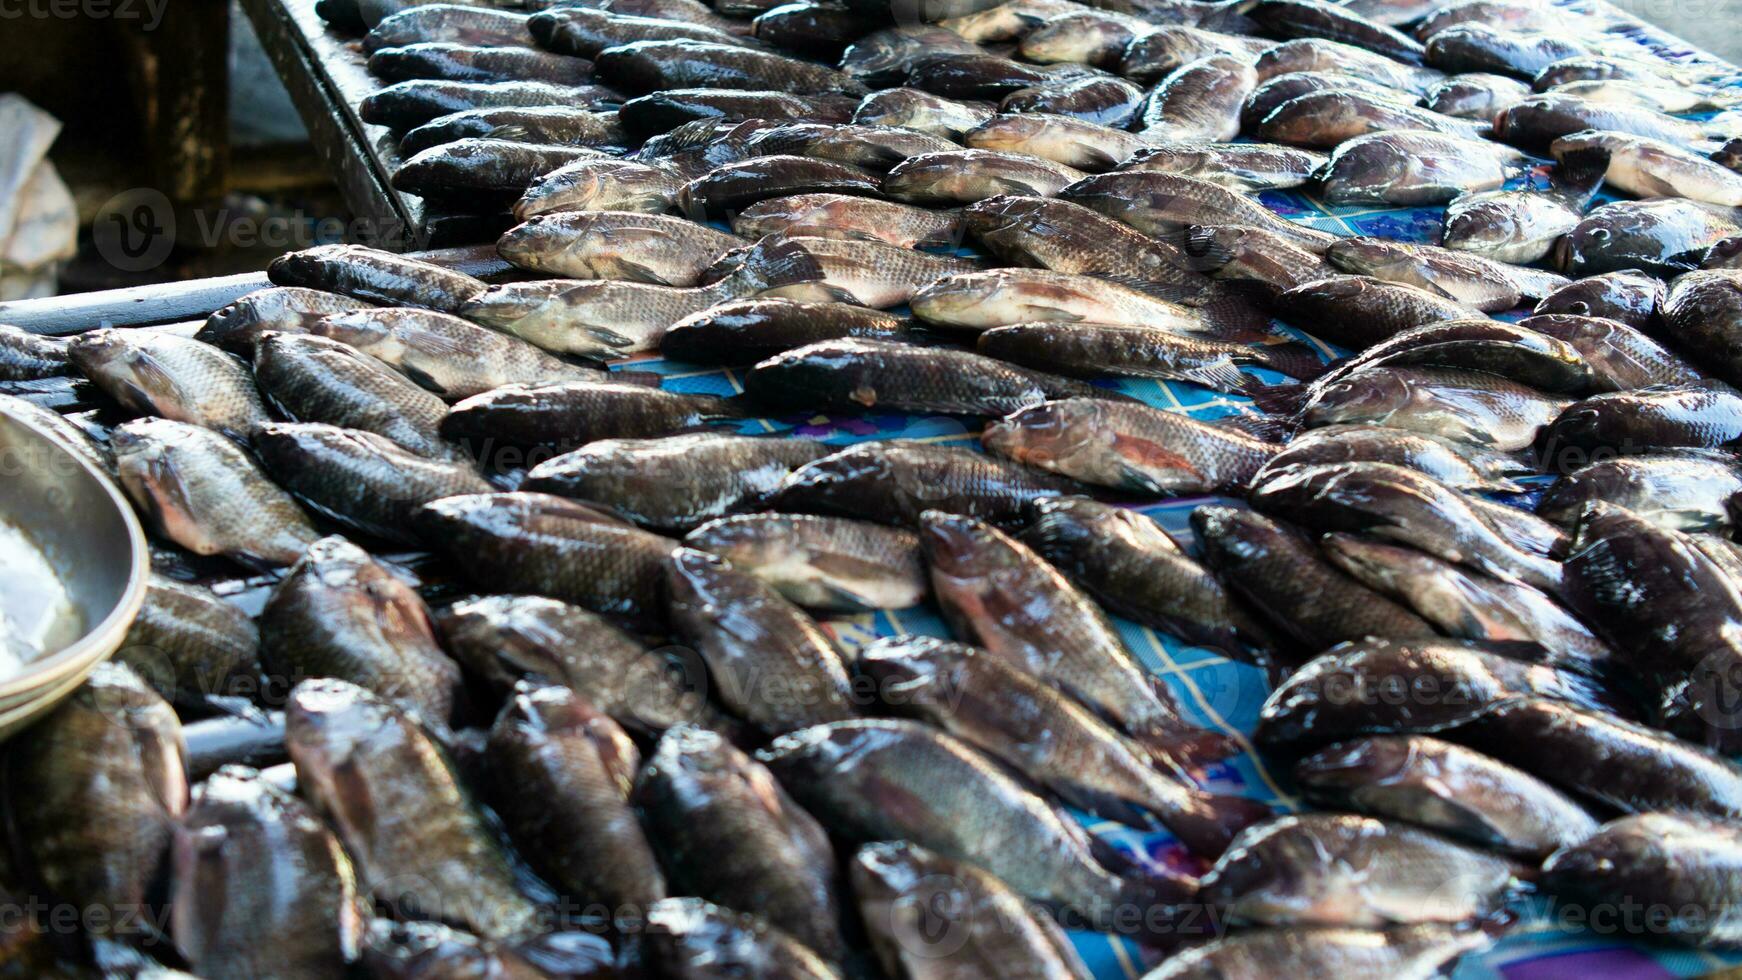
449, 22
1163, 204
849, 218
545, 125
736, 186
198, 490
1253, 255
562, 775
832, 564
1661, 95
502, 637
1459, 465
911, 108
1129, 446
1656, 861
483, 168
1276, 90
828, 270
1279, 573
1703, 315
1481, 283
998, 593
750, 330
1412, 167
899, 886
960, 805
1398, 504
1630, 297
477, 63
669, 109
277, 309
1083, 37
1066, 140
1495, 347
604, 318
875, 148
894, 482
106, 778
1166, 47
965, 176
155, 373
1200, 100
1329, 117
1419, 952
375, 276
883, 57
1647, 167
1236, 166
1475, 95
1526, 15
678, 482
586, 32
1626, 423
1042, 733
1001, 297
1331, 22
544, 545
653, 248
418, 842
1534, 124
341, 614
447, 355
262, 887
600, 185
1094, 98
190, 646
1067, 237
1329, 869
727, 832
567, 415
1602, 68
1683, 491
1474, 46
979, 74
1359, 311
1446, 788
1524, 224
1093, 350
26, 356
404, 106
689, 939
1619, 356
820, 30
313, 379
1469, 605
648, 66
1318, 54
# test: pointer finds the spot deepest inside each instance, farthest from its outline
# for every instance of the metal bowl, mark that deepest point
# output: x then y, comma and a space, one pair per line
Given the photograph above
79, 524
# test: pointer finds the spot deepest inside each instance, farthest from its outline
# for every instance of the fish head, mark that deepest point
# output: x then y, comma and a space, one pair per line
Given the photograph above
1067, 432
959, 547
1367, 256
357, 329
1364, 396
1484, 222
326, 718
910, 670
1350, 766
539, 235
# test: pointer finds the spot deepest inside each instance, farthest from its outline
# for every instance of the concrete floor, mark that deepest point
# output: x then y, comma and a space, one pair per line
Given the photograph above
1715, 25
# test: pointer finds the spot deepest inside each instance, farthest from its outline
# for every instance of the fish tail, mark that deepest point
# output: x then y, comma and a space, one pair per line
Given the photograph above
1191, 748
1579, 174
1280, 400
1269, 428
1293, 358
1212, 821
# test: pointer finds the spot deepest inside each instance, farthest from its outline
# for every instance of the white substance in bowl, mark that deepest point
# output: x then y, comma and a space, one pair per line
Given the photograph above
37, 615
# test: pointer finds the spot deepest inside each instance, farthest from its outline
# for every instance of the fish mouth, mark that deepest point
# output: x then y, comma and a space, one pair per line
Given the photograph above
1560, 254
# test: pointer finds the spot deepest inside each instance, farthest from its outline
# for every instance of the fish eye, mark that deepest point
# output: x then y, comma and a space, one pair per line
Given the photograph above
1579, 308
1600, 234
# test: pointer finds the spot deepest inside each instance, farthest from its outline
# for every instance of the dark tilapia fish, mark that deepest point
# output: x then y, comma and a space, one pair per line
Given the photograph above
728, 833
1462, 466
1399, 504
850, 218
420, 844
1630, 297
1276, 90
893, 882
1685, 491
828, 270
977, 75
1297, 871
1657, 861
341, 614
563, 772
586, 32
1067, 237
1132, 567
483, 167
653, 248
1495, 13
449, 22
190, 646
875, 148
1481, 283
1524, 224
883, 58
447, 355
1091, 350
861, 375
648, 66
375, 276
1086, 37
893, 482
1163, 204
662, 115
833, 564
1086, 146
750, 330
1475, 95
735, 186
820, 30
1402, 951
1041, 732
1312, 18
604, 318
546, 125
1412, 167
106, 773
687, 937
313, 379
1319, 54
502, 637
768, 661
1509, 351
261, 885
1002, 297
1625, 423
565, 416
1359, 311
1329, 117
360, 479
600, 185
161, 374
1703, 316
1469, 605
197, 489
965, 176
404, 106
1252, 255
545, 545
1129, 447
1534, 124
477, 63
998, 592
961, 805
1606, 68
287, 309
911, 108
26, 356
1153, 54
1236, 166
1098, 99
1647, 167
1474, 46
678, 482
1280, 574
1200, 100
1446, 788
1620, 358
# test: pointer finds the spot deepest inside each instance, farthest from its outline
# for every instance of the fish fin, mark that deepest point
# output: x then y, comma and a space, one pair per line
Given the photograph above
1237, 311
1207, 827
647, 379
1578, 175
1269, 428
1281, 400
641, 272
1293, 358
1149, 287
1221, 374
422, 379
1191, 748
1208, 253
